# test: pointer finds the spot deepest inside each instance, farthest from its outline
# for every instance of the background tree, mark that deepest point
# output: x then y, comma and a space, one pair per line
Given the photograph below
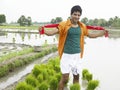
29, 21
116, 21
56, 20
84, 20
24, 21
2, 18
53, 21
110, 21
102, 22
90, 22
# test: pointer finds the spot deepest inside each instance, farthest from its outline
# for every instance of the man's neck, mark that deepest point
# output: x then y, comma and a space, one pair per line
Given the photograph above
74, 24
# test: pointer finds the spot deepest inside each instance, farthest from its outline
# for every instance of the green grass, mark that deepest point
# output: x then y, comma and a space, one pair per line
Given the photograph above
33, 27
19, 27
14, 54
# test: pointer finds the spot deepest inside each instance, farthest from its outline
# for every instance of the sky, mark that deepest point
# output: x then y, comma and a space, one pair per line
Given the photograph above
45, 10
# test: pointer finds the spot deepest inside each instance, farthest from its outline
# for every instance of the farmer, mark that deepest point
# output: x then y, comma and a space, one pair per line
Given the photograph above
71, 44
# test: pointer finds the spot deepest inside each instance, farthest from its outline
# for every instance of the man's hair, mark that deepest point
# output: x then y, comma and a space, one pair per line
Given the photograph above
76, 8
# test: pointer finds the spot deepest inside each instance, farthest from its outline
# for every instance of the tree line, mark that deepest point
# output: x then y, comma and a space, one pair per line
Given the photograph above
112, 22
27, 21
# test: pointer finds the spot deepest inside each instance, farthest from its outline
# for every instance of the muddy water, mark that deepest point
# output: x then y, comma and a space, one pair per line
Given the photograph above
8, 82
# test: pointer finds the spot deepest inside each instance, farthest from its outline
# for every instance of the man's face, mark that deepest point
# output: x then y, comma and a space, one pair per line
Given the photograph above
75, 16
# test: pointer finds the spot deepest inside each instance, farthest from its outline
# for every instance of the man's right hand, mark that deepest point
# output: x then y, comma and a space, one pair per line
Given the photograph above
41, 29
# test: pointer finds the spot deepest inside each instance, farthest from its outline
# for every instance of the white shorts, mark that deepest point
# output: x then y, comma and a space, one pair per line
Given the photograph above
70, 62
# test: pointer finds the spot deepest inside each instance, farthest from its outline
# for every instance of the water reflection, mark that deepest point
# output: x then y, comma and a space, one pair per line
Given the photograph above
33, 39
8, 39
102, 58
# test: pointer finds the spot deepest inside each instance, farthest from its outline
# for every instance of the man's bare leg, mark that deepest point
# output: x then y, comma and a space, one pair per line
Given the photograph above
76, 78
63, 81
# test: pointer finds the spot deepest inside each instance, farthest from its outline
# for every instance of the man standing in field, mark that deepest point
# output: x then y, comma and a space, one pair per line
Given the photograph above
71, 44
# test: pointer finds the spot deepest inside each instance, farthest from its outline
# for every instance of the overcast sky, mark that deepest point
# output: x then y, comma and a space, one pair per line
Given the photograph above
45, 10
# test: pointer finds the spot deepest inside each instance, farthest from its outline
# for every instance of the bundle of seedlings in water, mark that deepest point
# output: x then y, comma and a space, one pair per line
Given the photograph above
43, 86
92, 85
36, 70
84, 71
75, 86
31, 80
3, 70
53, 83
58, 76
40, 78
44, 76
24, 86
86, 75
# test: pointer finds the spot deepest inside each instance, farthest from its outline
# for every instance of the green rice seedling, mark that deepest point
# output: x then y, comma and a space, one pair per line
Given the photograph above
36, 70
52, 62
42, 54
53, 83
40, 78
17, 63
47, 52
57, 68
43, 86
51, 72
88, 76
75, 86
92, 85
45, 74
14, 40
49, 66
31, 80
24, 86
54, 49
11, 66
84, 71
58, 76
14, 54
3, 70
23, 36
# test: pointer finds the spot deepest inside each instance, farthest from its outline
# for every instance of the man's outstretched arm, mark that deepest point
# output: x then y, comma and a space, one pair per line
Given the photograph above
49, 32
100, 34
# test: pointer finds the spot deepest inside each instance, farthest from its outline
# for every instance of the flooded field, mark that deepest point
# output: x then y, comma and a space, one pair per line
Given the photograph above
16, 40
101, 56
